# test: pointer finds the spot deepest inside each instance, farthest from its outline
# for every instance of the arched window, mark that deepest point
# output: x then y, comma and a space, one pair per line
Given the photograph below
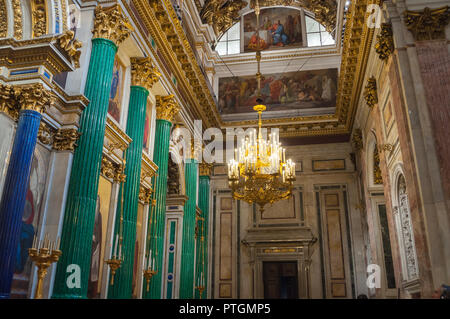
316, 33
408, 253
230, 42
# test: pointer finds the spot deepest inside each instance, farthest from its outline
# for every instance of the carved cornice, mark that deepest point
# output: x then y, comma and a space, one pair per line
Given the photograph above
71, 46
3, 20
17, 9
166, 107
39, 18
428, 24
65, 139
221, 16
205, 169
370, 92
357, 139
143, 73
33, 97
111, 24
385, 42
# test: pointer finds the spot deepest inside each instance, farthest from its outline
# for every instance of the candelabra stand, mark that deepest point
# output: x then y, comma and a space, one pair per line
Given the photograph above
43, 255
113, 263
200, 290
148, 274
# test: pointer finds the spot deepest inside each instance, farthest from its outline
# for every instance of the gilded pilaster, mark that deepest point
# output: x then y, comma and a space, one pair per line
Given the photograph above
18, 25
39, 20
3, 20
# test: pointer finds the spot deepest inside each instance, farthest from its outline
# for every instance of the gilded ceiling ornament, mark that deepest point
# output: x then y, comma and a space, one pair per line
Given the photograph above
65, 139
370, 92
385, 42
111, 24
377, 178
3, 20
70, 45
428, 24
8, 103
33, 97
221, 14
205, 169
17, 9
166, 107
39, 18
143, 73
357, 139
45, 134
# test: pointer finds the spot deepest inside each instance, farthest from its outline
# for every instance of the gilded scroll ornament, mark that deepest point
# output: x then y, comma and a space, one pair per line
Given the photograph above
45, 134
143, 73
111, 24
357, 139
8, 103
107, 168
17, 9
428, 24
71, 46
119, 176
377, 178
33, 97
385, 43
166, 107
370, 92
66, 139
221, 14
3, 20
205, 169
145, 194
39, 18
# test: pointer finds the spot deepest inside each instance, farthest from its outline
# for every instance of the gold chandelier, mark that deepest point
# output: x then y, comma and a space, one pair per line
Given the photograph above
259, 173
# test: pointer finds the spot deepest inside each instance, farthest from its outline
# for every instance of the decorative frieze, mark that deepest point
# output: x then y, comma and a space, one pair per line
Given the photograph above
65, 139
428, 24
111, 24
166, 107
385, 42
143, 73
370, 92
71, 46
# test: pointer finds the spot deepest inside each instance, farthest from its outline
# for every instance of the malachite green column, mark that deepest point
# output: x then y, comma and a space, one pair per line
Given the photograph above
187, 268
166, 108
201, 278
72, 274
126, 219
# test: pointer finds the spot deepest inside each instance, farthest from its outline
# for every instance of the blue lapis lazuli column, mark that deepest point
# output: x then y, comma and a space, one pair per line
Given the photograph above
14, 193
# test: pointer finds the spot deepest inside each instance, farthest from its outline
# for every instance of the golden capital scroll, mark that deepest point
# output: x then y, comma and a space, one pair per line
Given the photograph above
428, 24
143, 73
33, 97
8, 103
65, 139
205, 169
111, 24
166, 107
71, 46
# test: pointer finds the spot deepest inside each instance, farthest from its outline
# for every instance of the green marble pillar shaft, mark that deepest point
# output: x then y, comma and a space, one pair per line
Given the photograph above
156, 228
188, 238
73, 268
122, 288
202, 239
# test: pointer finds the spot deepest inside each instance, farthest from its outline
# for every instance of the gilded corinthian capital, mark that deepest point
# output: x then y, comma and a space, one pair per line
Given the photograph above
143, 73
205, 168
428, 24
111, 24
166, 107
33, 97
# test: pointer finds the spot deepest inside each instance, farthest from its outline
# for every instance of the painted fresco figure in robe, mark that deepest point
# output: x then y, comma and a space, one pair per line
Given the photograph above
279, 36
113, 107
95, 255
253, 44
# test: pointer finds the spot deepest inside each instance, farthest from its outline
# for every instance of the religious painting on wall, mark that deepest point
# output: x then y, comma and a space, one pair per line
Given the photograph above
280, 28
148, 117
99, 238
282, 91
116, 93
31, 220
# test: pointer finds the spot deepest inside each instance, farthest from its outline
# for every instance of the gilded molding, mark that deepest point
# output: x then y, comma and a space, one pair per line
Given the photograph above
221, 16
17, 9
370, 92
71, 46
3, 20
205, 169
166, 107
357, 139
65, 139
33, 97
111, 24
143, 73
428, 24
39, 19
385, 42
